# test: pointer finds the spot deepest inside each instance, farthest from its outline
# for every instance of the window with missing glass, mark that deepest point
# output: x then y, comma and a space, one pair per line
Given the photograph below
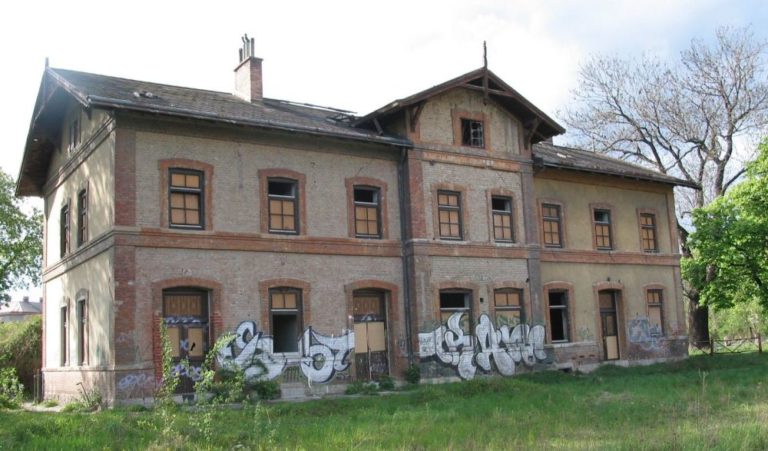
283, 205
501, 211
367, 202
285, 318
449, 215
186, 198
602, 225
508, 305
558, 316
472, 133
454, 302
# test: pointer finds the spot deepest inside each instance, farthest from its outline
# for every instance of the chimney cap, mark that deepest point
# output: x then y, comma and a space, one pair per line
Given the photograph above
247, 51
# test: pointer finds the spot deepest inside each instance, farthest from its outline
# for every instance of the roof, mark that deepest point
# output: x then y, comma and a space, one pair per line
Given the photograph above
584, 161
20, 307
484, 80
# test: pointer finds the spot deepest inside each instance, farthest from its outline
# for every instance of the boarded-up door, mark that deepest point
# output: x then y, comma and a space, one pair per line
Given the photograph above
371, 358
609, 323
185, 313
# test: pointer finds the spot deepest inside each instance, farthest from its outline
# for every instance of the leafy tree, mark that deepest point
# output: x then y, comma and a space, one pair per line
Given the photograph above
681, 119
730, 244
21, 241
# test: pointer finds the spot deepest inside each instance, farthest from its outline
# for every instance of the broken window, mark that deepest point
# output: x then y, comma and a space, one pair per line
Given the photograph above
508, 304
552, 225
283, 205
449, 214
456, 301
648, 232
501, 209
367, 212
472, 133
655, 299
558, 316
186, 198
602, 224
285, 315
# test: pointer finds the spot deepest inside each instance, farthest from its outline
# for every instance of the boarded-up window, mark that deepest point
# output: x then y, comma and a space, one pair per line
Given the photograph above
508, 304
552, 225
602, 224
648, 232
186, 198
449, 214
655, 300
283, 206
367, 212
501, 210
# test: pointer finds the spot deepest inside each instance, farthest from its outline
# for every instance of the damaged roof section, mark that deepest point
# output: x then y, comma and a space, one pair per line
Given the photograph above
560, 157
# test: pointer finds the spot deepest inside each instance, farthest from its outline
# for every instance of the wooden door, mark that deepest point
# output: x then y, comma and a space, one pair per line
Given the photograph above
609, 325
371, 357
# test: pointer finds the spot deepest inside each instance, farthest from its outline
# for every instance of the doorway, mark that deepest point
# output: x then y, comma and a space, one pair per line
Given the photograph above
370, 316
185, 314
609, 323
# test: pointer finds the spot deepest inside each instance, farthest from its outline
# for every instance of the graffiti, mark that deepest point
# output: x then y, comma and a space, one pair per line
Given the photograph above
490, 347
183, 320
133, 381
320, 357
190, 371
642, 333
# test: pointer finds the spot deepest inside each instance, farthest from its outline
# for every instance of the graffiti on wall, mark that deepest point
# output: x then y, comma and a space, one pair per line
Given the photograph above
320, 357
642, 333
489, 347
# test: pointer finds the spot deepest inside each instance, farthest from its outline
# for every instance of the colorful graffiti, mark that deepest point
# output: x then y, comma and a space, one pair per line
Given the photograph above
642, 333
320, 357
489, 347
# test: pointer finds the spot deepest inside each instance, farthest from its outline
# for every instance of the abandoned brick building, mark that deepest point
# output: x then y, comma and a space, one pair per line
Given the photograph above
443, 230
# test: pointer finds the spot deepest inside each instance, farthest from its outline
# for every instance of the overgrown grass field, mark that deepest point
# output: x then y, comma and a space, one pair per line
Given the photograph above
704, 402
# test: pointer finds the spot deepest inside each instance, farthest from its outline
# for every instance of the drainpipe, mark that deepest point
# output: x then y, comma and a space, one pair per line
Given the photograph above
404, 220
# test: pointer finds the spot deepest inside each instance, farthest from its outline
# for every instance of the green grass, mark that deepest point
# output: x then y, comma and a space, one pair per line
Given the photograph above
704, 402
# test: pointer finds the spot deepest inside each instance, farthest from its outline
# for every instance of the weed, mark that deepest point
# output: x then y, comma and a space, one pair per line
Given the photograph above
386, 382
413, 374
11, 389
266, 389
362, 388
50, 403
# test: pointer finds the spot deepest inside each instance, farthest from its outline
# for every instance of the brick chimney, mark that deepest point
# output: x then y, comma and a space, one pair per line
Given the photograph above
248, 85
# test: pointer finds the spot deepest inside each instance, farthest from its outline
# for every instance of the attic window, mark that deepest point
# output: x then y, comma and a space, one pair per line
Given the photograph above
472, 133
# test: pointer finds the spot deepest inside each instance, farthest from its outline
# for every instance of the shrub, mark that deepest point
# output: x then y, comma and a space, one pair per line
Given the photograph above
413, 374
362, 388
386, 382
21, 348
10, 389
266, 389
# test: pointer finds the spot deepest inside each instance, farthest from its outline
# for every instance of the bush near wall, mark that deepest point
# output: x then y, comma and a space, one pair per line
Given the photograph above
21, 348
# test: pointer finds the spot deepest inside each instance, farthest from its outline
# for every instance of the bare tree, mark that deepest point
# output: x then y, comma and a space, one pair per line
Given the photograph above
684, 119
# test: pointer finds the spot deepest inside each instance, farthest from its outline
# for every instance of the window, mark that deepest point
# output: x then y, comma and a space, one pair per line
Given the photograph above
558, 316
64, 334
602, 223
74, 133
283, 206
552, 225
367, 212
82, 357
452, 302
82, 217
508, 304
654, 299
186, 198
648, 232
472, 133
285, 316
64, 229
501, 210
449, 214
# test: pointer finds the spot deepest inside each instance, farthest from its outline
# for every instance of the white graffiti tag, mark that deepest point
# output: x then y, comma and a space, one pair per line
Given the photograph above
489, 347
320, 357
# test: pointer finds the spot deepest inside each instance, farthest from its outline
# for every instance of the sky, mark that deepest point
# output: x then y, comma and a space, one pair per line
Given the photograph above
355, 55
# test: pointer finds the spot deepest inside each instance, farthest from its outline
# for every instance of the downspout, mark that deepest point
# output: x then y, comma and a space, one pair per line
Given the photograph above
404, 220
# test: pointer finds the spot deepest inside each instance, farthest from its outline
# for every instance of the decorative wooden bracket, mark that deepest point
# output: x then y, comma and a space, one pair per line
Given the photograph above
415, 112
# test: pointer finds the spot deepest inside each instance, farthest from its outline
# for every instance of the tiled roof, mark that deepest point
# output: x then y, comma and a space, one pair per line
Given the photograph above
104, 91
581, 160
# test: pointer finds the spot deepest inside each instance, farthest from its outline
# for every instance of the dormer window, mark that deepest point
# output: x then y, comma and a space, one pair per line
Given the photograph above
472, 133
